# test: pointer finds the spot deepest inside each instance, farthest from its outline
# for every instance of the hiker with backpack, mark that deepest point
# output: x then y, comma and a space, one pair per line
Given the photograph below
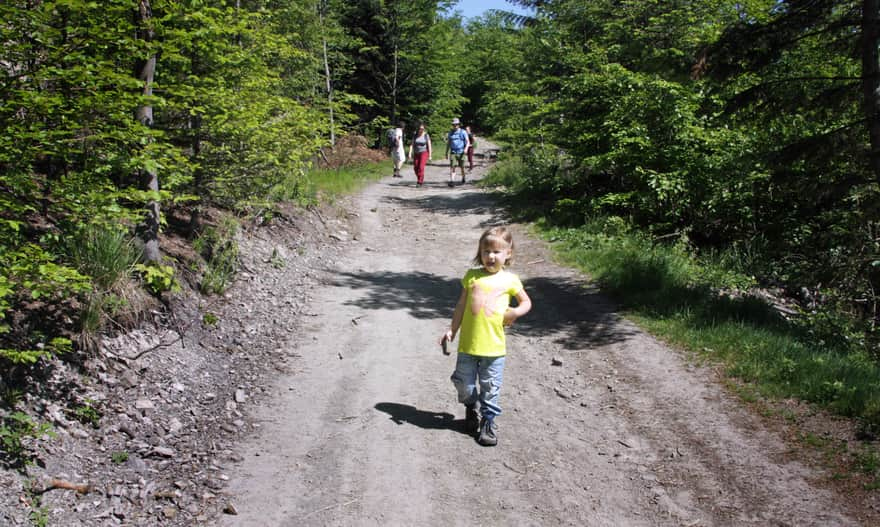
395, 144
457, 143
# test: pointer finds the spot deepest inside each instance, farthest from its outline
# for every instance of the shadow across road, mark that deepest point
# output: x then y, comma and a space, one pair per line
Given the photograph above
570, 311
406, 414
457, 203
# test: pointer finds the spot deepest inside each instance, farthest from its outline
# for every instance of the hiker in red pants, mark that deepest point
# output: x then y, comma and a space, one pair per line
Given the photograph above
420, 153
470, 150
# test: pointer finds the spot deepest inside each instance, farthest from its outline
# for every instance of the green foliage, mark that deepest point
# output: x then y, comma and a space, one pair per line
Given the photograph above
277, 260
119, 457
158, 278
39, 516
210, 319
55, 346
17, 431
739, 125
87, 414
391, 45
238, 107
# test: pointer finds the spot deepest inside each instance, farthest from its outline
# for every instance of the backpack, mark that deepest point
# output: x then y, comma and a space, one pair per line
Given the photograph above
457, 139
392, 138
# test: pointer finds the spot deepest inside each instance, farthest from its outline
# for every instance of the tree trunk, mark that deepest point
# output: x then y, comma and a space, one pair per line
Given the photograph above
322, 7
394, 88
149, 177
195, 218
871, 77
395, 36
871, 102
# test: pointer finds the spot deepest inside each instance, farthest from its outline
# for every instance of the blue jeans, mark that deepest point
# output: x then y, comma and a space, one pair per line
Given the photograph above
472, 372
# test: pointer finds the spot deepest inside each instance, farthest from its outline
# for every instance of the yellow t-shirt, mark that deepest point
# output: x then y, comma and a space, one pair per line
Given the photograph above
488, 297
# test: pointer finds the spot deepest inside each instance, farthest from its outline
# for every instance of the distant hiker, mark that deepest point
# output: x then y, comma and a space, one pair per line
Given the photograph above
457, 143
398, 154
482, 311
472, 143
420, 153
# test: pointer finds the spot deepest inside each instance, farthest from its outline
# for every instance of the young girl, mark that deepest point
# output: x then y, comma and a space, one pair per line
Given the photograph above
420, 153
482, 311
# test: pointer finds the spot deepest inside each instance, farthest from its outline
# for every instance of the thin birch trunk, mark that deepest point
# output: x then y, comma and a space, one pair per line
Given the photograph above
144, 113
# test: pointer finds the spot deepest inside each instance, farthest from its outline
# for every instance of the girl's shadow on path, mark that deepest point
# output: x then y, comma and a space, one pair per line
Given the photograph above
404, 413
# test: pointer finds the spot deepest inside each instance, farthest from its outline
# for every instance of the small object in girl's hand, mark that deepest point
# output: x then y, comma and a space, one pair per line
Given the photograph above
445, 345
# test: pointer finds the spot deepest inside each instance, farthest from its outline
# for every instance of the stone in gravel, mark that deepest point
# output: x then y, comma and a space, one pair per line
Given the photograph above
174, 425
128, 430
79, 433
136, 464
129, 379
163, 451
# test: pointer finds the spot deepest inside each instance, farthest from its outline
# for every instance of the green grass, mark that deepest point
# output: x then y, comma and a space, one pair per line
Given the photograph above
218, 247
105, 254
674, 296
325, 185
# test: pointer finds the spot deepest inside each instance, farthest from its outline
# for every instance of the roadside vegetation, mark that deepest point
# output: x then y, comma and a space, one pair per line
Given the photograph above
327, 184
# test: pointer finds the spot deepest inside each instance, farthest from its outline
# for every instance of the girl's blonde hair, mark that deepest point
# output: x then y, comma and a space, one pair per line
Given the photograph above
493, 234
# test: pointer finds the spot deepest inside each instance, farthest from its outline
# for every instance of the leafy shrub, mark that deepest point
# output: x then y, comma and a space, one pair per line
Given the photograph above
55, 346
158, 278
15, 432
87, 414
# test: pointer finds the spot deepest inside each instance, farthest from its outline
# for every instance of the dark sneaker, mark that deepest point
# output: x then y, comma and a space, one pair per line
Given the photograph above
462, 180
450, 184
487, 433
471, 420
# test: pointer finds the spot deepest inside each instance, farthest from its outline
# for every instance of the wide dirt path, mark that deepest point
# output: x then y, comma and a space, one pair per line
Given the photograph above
602, 425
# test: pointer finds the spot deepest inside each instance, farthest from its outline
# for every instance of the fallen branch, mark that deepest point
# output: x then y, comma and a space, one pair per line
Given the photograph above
178, 328
328, 507
513, 469
317, 213
55, 483
140, 354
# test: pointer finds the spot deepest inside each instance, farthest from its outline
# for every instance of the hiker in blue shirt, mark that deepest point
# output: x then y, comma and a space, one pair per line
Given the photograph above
457, 143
